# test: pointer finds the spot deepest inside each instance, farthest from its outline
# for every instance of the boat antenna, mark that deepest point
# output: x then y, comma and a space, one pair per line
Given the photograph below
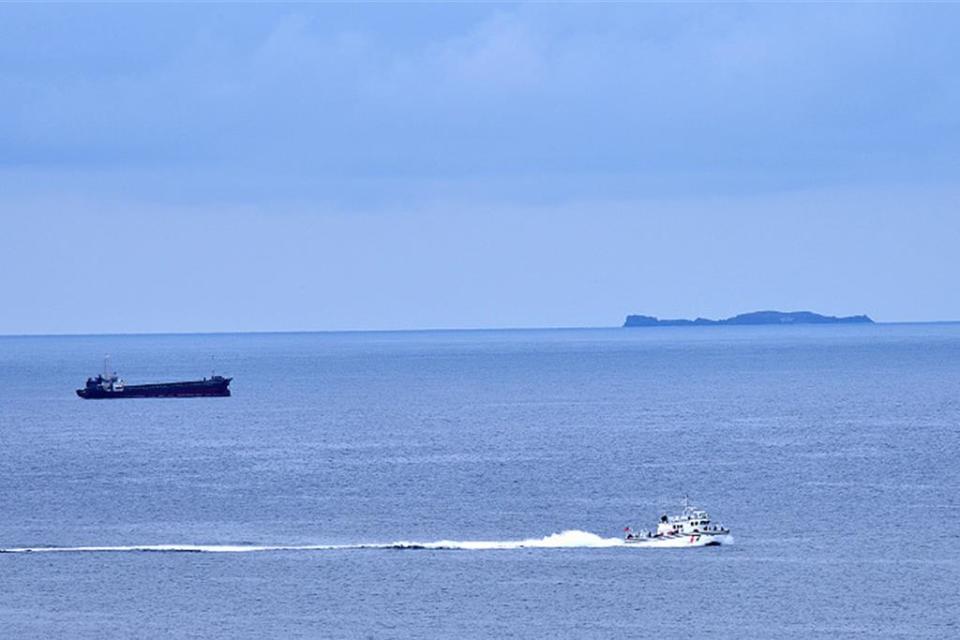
106, 365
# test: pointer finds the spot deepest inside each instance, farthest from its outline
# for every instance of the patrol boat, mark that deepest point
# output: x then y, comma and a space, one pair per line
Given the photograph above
692, 528
109, 385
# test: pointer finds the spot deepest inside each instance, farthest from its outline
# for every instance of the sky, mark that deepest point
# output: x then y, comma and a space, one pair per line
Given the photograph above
217, 167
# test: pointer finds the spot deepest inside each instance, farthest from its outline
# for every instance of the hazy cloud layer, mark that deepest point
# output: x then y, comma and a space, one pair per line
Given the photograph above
792, 95
207, 133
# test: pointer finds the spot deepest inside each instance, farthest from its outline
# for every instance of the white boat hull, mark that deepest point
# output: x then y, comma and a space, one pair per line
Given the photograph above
682, 541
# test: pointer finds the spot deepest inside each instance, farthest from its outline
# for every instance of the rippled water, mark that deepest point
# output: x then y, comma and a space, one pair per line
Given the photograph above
475, 484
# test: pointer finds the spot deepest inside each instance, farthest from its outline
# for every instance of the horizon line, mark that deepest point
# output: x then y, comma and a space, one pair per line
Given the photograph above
426, 330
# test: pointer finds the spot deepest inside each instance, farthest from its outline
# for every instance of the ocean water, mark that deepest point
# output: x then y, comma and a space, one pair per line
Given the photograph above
475, 485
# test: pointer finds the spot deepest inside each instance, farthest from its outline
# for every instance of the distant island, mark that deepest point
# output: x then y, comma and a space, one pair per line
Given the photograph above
755, 317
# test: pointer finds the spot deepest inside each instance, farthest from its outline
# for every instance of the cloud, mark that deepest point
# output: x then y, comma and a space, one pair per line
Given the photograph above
315, 102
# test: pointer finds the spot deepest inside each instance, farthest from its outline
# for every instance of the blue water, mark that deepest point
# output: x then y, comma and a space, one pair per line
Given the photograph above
831, 452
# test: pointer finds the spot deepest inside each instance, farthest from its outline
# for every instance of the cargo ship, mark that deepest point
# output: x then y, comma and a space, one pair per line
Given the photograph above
109, 385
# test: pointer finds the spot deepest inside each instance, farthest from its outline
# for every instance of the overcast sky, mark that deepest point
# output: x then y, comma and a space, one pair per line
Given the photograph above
249, 167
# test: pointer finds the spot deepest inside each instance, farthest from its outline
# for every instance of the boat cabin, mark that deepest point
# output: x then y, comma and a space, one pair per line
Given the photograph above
690, 521
105, 382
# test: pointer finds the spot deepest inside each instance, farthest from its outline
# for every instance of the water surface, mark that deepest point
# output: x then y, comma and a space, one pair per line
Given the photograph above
830, 452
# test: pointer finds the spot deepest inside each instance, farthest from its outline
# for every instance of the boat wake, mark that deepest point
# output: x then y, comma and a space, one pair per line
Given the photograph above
564, 540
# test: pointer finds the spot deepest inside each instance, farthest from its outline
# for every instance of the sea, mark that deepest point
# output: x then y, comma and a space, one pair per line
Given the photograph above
476, 484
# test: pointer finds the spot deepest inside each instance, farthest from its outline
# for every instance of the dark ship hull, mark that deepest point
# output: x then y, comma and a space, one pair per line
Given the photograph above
213, 387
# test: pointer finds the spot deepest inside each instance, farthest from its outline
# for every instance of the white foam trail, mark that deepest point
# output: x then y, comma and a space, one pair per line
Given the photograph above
563, 540
179, 548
